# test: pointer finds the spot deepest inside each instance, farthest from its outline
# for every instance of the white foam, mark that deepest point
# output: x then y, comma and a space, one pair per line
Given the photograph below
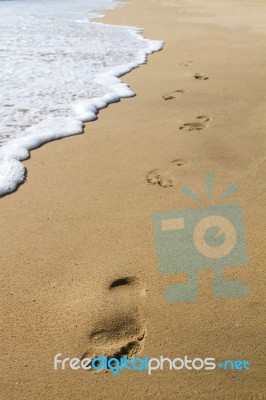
58, 70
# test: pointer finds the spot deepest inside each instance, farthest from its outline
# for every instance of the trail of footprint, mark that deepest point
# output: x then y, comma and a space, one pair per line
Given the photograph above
173, 95
122, 332
201, 77
165, 177
201, 123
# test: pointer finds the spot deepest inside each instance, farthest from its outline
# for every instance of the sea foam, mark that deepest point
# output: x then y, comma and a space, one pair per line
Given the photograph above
57, 70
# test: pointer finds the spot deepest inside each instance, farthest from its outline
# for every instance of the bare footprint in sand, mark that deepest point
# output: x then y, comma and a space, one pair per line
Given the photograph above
121, 329
200, 123
165, 177
160, 177
201, 77
174, 94
187, 63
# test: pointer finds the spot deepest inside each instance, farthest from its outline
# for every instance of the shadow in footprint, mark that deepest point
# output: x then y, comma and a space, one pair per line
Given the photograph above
200, 123
179, 162
129, 280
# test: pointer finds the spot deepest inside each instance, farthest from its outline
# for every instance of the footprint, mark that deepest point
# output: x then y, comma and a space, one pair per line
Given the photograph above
124, 282
172, 95
200, 123
159, 177
187, 63
121, 331
179, 162
165, 177
201, 77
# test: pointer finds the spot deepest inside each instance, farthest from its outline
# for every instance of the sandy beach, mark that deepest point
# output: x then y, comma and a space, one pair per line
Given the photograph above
78, 259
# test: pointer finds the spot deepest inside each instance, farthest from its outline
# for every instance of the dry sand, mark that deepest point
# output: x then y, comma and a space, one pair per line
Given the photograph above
83, 219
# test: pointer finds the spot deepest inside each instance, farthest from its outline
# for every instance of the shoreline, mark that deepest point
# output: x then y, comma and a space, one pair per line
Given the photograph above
54, 127
79, 268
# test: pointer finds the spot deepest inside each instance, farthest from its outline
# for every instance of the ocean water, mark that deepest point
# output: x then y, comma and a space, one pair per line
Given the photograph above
58, 68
